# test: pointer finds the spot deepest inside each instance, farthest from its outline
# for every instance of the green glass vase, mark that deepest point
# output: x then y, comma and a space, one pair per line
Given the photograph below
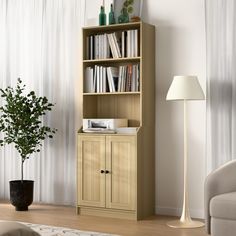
102, 16
124, 17
112, 19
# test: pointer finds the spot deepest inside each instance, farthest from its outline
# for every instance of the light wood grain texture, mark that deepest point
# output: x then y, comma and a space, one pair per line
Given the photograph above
91, 160
107, 212
121, 179
110, 28
66, 217
139, 109
118, 185
120, 106
111, 93
147, 143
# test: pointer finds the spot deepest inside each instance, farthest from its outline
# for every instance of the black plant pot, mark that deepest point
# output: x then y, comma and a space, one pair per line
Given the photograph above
21, 194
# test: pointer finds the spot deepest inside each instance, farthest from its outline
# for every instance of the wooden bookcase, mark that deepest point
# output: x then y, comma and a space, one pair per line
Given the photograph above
127, 190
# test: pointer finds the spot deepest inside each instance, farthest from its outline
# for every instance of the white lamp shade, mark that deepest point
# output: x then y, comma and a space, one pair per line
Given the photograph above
185, 88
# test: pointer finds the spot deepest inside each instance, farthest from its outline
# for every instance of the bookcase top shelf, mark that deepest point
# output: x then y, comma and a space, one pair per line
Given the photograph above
123, 59
128, 26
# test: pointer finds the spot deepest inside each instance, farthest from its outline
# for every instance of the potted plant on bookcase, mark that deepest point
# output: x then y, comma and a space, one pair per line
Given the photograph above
21, 125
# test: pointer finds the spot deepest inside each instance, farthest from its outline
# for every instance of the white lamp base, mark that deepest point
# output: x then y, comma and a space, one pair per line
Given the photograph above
185, 224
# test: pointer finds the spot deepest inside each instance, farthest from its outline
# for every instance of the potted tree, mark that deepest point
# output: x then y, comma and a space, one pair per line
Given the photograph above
21, 125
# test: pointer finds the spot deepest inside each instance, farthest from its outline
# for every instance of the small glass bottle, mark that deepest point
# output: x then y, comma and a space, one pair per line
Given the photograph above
124, 17
112, 19
102, 16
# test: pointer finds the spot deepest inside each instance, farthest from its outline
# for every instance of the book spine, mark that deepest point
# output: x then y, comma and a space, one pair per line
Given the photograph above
119, 79
117, 47
123, 44
88, 88
95, 79
98, 79
87, 48
104, 87
131, 43
124, 78
109, 36
128, 43
91, 48
136, 43
110, 79
133, 80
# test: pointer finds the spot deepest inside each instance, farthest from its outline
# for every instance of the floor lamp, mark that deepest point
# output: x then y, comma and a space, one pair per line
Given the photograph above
185, 88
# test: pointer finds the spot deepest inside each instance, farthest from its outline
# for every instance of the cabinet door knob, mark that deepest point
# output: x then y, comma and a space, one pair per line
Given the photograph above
102, 171
107, 172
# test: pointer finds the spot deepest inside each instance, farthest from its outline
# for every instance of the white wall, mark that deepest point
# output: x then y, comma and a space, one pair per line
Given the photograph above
180, 50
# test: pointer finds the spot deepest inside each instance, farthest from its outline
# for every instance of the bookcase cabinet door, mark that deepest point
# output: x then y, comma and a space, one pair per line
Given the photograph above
121, 179
91, 160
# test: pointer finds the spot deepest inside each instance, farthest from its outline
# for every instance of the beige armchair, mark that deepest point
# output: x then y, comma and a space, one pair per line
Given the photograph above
220, 201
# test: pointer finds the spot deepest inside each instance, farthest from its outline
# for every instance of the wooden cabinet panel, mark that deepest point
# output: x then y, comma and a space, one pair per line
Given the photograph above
91, 160
121, 179
128, 190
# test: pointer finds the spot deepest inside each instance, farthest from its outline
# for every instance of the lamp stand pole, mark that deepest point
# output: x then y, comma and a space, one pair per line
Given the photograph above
185, 220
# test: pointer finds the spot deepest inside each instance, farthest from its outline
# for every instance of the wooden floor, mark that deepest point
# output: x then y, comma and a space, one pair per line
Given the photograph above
66, 217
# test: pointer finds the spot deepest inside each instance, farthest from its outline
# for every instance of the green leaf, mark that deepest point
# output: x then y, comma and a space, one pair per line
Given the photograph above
21, 119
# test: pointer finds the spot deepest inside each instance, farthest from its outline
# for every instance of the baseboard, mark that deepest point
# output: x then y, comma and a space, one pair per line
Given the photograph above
199, 214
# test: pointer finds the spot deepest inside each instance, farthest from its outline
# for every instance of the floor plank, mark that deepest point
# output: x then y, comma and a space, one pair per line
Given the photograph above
66, 217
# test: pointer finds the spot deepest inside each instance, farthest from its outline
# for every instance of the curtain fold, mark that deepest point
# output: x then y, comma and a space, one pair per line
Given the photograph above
40, 43
221, 82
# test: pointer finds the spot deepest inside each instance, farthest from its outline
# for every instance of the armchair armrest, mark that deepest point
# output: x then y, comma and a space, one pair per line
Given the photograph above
222, 180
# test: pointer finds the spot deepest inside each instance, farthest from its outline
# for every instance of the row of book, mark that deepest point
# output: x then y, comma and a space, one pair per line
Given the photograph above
115, 45
100, 79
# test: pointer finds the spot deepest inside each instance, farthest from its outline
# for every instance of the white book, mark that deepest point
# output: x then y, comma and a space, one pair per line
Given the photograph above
124, 78
110, 79
104, 82
112, 46
128, 43
112, 71
96, 46
99, 47
102, 46
136, 43
119, 79
98, 79
123, 44
108, 48
132, 43
95, 79
105, 46
115, 76
88, 80
116, 44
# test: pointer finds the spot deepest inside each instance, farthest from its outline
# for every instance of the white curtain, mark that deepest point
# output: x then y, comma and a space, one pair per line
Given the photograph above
221, 81
40, 43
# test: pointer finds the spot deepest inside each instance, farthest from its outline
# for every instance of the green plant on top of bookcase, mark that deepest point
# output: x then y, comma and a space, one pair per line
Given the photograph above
128, 5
